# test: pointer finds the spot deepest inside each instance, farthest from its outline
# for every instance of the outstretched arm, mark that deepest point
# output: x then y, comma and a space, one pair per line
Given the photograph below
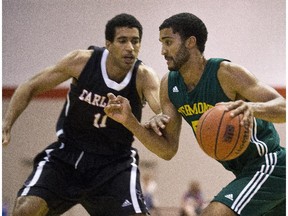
68, 67
166, 145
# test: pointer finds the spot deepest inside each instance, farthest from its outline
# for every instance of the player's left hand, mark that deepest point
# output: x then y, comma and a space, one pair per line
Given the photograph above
240, 107
157, 123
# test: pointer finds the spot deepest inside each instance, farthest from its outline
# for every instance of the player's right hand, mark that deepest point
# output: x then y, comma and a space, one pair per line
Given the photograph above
118, 108
157, 123
5, 137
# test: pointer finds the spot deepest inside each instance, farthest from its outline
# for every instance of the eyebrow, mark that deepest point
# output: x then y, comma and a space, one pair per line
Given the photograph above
125, 37
163, 38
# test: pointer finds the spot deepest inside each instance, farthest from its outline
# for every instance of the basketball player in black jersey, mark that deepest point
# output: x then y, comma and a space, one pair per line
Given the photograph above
93, 162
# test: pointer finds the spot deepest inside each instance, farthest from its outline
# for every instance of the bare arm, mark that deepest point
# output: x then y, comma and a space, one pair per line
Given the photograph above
164, 146
68, 67
148, 86
240, 85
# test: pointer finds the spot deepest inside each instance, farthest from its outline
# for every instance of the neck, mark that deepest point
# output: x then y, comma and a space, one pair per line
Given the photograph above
192, 71
114, 70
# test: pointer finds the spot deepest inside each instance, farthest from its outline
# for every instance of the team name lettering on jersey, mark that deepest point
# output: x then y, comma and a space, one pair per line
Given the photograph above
93, 99
197, 108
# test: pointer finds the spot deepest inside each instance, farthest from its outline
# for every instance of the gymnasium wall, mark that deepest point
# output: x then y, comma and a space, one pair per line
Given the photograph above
37, 33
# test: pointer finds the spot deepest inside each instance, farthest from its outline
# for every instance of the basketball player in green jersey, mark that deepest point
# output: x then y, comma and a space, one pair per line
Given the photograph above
194, 85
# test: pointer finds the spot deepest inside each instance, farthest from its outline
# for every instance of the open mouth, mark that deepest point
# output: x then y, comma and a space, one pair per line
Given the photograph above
129, 59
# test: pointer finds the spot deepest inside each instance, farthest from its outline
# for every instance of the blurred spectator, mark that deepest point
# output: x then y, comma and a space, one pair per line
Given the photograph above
149, 187
4, 210
192, 202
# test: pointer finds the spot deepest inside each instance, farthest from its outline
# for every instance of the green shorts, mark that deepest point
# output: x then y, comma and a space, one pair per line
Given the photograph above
260, 189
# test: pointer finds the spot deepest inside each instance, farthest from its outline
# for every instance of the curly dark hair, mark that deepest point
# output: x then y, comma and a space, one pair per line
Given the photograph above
121, 20
187, 25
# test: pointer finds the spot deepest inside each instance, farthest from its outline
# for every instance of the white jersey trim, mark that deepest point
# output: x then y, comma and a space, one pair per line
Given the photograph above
260, 145
110, 83
38, 173
255, 183
133, 179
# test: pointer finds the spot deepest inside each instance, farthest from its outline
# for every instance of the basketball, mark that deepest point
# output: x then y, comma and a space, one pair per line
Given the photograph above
221, 136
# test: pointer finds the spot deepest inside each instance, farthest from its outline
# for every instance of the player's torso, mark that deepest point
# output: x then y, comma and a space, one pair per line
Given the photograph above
83, 122
191, 105
208, 92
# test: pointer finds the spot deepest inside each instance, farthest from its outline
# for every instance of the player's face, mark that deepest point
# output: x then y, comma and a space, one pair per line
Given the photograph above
125, 48
173, 49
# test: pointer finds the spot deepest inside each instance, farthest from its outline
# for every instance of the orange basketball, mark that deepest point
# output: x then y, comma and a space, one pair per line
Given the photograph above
221, 136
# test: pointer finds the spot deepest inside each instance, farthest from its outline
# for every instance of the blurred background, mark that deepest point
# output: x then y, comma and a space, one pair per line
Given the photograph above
35, 34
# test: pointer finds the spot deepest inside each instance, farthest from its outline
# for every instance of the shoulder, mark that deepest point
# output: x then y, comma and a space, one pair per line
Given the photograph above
147, 76
234, 78
164, 85
230, 67
232, 71
145, 70
171, 78
77, 56
165, 77
74, 62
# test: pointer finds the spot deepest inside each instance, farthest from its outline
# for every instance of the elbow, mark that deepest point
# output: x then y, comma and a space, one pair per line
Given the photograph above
169, 154
167, 157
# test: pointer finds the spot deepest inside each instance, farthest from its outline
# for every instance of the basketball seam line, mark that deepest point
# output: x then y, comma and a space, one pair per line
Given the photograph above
216, 139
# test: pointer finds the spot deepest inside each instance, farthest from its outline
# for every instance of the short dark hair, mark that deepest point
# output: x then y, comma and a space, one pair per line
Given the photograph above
121, 20
187, 25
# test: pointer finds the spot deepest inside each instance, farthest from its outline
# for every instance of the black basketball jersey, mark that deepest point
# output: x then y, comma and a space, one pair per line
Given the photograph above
83, 122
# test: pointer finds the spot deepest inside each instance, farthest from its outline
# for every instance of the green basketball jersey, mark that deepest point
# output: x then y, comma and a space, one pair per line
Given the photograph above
208, 92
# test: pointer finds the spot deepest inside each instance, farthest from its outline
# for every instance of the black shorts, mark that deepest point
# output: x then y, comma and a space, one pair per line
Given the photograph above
104, 185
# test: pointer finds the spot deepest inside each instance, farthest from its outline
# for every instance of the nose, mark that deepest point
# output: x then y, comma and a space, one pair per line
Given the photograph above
129, 46
163, 51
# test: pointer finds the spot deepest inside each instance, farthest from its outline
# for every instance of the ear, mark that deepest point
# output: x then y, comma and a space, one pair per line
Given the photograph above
107, 44
191, 42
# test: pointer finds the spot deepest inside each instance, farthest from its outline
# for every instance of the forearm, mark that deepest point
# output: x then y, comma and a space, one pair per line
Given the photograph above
17, 105
164, 146
272, 111
159, 145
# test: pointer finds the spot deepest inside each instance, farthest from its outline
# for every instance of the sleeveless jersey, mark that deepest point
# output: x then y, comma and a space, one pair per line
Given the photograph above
83, 123
208, 92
